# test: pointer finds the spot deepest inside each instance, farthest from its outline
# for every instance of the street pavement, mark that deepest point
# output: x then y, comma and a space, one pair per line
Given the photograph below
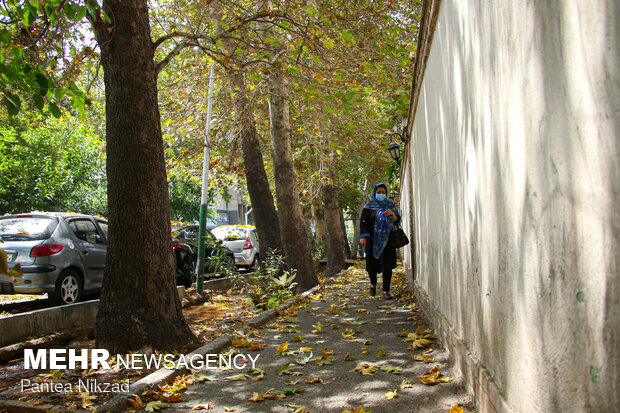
315, 370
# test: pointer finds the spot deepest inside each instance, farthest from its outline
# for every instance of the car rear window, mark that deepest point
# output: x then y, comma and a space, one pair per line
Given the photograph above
229, 233
27, 228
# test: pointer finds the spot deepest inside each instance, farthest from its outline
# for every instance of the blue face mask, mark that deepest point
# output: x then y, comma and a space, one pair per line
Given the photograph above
381, 197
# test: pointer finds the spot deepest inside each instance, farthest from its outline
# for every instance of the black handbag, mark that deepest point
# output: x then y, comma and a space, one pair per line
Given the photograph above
398, 238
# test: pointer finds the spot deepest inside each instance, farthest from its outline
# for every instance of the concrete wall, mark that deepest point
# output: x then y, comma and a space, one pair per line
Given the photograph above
513, 184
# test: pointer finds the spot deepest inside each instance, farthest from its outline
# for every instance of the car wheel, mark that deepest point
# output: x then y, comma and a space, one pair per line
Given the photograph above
255, 264
68, 288
185, 276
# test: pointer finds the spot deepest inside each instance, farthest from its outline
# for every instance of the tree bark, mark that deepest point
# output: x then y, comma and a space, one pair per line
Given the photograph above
318, 215
139, 307
345, 240
356, 222
334, 250
265, 216
292, 227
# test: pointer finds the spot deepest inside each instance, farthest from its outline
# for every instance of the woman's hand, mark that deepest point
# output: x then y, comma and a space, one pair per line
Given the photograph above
363, 242
391, 213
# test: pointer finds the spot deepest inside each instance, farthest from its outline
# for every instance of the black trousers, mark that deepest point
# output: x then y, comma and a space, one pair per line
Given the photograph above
387, 278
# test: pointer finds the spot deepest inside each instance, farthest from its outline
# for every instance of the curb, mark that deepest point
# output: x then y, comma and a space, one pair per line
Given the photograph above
118, 403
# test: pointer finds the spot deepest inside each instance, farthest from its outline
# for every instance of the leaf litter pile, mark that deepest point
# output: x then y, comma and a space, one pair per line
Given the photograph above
220, 315
299, 359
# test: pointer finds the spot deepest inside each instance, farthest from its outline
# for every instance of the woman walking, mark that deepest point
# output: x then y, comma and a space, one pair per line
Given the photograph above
378, 217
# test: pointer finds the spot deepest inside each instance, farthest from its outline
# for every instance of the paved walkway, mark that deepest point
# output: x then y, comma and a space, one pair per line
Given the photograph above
354, 357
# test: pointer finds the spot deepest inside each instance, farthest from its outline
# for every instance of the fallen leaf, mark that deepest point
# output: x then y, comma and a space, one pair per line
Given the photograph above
204, 406
285, 369
431, 376
366, 369
135, 401
380, 322
349, 357
391, 369
299, 339
256, 398
318, 328
304, 350
364, 351
204, 377
229, 409
391, 394
381, 352
405, 384
420, 343
456, 409
446, 379
315, 380
236, 377
367, 342
155, 405
296, 409
304, 360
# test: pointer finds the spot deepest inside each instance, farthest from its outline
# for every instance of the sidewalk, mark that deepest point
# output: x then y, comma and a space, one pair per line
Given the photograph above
319, 375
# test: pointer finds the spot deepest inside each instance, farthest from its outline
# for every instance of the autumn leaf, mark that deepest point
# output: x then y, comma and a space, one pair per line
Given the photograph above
256, 398
229, 409
431, 376
405, 384
304, 360
296, 409
348, 357
324, 360
420, 343
366, 369
285, 369
314, 380
87, 399
135, 401
256, 374
381, 352
391, 394
318, 328
391, 369
155, 405
380, 322
446, 379
236, 377
204, 377
204, 406
456, 409
299, 339
255, 345
302, 350
172, 397
423, 358
364, 351
367, 342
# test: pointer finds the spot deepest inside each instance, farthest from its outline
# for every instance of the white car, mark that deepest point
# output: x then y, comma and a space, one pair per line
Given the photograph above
242, 240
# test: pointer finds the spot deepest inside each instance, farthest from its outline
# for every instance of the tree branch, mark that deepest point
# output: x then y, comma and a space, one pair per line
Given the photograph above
177, 49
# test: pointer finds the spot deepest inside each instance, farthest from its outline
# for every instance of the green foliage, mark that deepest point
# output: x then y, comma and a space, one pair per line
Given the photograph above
50, 164
31, 45
219, 262
274, 283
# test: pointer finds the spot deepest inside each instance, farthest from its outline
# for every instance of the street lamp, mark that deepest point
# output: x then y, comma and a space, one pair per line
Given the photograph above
394, 147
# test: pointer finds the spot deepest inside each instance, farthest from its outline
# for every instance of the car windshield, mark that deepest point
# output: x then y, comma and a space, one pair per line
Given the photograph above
27, 228
229, 233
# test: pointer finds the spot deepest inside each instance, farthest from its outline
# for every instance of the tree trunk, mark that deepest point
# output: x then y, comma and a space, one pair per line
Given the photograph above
265, 216
292, 226
319, 220
345, 240
335, 252
356, 222
139, 305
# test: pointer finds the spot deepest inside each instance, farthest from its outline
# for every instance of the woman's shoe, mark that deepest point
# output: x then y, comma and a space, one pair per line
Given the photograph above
373, 290
387, 295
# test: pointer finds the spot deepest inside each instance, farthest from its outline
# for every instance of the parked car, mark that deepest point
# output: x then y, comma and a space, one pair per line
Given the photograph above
188, 236
242, 241
61, 254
